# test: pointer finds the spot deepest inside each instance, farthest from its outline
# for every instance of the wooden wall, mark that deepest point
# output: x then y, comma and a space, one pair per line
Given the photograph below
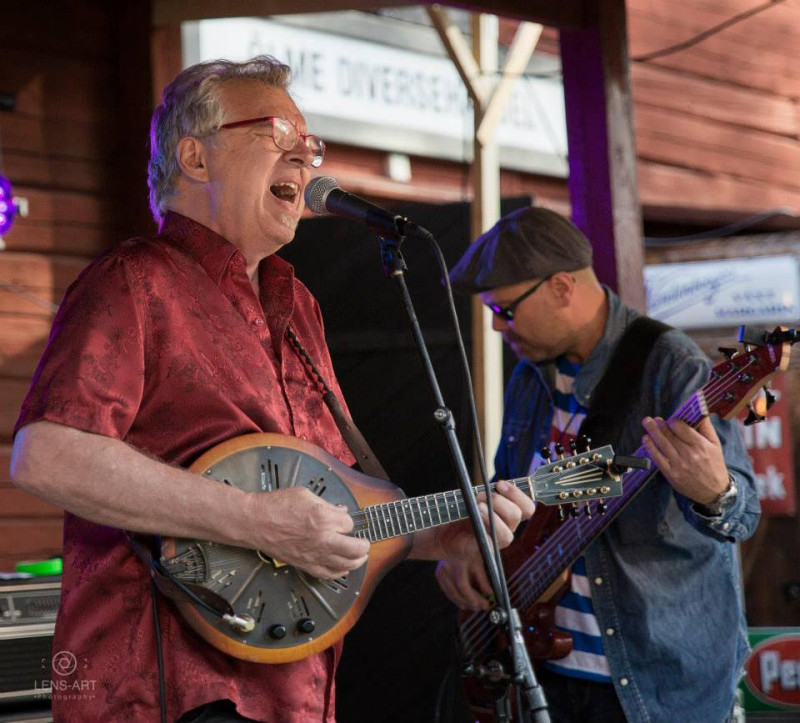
62, 147
716, 124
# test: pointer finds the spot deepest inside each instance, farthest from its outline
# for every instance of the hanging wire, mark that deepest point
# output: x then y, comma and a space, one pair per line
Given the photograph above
706, 34
714, 233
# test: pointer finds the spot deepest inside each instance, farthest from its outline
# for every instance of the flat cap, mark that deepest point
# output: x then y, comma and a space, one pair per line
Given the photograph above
530, 243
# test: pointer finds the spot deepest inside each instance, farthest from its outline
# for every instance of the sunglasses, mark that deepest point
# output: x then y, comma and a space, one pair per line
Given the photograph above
285, 135
507, 312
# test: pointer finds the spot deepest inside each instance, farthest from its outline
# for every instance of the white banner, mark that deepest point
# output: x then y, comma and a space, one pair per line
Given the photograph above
702, 294
365, 94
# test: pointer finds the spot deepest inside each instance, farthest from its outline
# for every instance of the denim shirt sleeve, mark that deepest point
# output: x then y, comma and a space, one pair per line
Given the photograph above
527, 415
682, 370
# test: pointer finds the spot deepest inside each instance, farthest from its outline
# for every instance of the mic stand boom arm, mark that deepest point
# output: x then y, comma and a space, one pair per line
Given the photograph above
522, 675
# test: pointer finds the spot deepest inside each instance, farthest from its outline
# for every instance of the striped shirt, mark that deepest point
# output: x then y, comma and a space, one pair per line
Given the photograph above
574, 613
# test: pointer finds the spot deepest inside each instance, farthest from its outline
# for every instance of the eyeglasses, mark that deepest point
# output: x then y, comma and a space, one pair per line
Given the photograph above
285, 135
507, 312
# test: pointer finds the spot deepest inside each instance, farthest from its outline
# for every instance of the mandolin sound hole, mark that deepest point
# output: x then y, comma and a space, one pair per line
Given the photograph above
317, 486
338, 585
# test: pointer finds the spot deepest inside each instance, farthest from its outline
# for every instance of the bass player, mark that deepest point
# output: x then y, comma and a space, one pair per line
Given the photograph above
655, 603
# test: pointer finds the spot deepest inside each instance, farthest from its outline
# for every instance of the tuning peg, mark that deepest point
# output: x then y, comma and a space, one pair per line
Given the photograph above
546, 453
588, 509
559, 449
602, 507
769, 396
753, 417
561, 514
575, 511
728, 352
586, 442
573, 446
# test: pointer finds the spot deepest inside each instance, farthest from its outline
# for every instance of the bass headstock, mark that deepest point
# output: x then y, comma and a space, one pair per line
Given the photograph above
734, 382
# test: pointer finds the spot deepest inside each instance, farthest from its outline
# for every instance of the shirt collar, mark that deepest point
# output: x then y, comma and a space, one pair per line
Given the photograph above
213, 252
592, 370
619, 316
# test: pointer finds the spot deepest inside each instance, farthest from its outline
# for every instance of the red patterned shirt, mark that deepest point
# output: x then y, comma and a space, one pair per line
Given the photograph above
163, 343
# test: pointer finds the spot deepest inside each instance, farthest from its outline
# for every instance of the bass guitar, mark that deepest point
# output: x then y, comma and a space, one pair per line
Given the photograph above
538, 562
258, 609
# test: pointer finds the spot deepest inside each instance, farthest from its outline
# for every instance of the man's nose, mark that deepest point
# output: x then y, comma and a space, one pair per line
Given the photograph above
301, 154
498, 322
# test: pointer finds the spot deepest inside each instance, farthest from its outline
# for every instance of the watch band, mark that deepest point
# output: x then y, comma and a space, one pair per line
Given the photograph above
722, 502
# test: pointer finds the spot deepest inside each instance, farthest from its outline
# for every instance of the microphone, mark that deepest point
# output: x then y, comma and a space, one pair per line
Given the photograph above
324, 197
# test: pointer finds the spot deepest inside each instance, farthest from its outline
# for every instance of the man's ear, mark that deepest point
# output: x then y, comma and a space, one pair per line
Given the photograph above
562, 285
191, 156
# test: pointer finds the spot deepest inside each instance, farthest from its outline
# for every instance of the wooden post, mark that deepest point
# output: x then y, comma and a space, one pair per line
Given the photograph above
602, 152
478, 69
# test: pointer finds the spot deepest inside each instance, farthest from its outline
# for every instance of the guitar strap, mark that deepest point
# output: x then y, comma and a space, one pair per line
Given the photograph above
358, 445
621, 381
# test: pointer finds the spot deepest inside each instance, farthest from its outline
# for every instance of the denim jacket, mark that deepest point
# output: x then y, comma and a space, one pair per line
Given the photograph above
664, 578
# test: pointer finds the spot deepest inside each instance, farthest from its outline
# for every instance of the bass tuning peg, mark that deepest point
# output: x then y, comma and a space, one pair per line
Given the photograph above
573, 446
546, 453
602, 507
753, 417
769, 396
559, 449
728, 352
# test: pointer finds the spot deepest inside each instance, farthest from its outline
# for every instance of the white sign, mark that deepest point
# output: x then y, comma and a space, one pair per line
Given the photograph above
702, 294
365, 94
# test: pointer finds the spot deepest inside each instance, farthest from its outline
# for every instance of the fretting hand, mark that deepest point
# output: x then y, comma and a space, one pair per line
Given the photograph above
691, 459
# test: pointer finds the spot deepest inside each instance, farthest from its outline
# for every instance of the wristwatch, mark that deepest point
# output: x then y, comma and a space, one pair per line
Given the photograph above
722, 502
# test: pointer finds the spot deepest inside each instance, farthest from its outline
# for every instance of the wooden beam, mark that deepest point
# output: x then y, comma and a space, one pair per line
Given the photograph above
565, 14
519, 55
562, 14
602, 153
460, 53
173, 12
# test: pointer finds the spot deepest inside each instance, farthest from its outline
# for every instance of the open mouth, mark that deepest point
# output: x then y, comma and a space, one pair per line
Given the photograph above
285, 191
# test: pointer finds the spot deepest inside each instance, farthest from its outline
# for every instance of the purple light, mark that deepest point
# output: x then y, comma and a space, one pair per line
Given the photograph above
7, 210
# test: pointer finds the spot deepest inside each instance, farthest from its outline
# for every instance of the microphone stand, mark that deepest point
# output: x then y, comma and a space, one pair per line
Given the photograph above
534, 705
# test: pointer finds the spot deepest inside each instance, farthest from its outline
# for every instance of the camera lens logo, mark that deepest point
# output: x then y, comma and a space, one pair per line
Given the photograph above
64, 663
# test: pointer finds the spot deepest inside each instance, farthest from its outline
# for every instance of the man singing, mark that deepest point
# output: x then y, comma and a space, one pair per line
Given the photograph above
164, 347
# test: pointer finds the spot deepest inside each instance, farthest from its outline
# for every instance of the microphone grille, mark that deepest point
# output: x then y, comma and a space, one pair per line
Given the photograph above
317, 192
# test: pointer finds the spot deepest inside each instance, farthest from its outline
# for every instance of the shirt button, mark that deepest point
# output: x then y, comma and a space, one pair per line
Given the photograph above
726, 526
259, 322
609, 631
623, 681
598, 581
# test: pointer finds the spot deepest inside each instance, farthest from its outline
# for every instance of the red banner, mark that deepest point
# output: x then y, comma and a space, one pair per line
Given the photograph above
770, 446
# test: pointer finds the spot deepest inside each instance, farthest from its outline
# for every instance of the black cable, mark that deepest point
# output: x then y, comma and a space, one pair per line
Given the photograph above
470, 398
162, 686
705, 34
160, 569
728, 230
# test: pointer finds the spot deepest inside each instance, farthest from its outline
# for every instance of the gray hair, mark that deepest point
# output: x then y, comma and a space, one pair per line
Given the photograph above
191, 106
